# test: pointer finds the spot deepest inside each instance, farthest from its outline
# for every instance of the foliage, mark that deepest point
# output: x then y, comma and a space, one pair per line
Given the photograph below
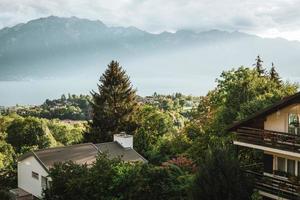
274, 76
21, 134
168, 147
240, 93
29, 132
179, 135
177, 103
66, 133
25, 133
114, 179
7, 154
113, 106
183, 163
72, 108
152, 124
157, 137
256, 196
5, 195
205, 142
259, 67
220, 177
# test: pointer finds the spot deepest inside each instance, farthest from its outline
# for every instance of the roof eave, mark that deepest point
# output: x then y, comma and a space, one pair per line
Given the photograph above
268, 110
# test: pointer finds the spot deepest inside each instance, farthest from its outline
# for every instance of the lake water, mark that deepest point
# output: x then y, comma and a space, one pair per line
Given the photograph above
35, 92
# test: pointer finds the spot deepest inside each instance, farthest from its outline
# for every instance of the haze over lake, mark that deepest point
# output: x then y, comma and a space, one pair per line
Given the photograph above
35, 92
51, 56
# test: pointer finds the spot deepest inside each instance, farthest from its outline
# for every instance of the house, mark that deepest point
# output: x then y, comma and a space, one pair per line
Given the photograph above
275, 132
33, 167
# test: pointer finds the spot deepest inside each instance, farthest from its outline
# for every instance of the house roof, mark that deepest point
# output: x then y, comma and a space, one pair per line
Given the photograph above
286, 101
114, 150
82, 154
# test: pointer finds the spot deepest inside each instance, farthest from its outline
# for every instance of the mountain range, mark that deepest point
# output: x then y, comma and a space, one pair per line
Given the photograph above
57, 47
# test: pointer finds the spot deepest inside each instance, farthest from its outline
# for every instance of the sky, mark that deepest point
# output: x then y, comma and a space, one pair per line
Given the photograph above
266, 18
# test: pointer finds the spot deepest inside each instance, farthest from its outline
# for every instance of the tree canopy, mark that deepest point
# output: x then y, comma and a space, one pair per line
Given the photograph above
184, 138
114, 179
113, 105
220, 177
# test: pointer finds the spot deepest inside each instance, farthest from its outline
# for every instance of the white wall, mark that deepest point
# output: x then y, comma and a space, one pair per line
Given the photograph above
278, 121
25, 179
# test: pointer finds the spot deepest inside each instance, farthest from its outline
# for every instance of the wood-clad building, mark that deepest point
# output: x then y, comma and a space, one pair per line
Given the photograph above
276, 132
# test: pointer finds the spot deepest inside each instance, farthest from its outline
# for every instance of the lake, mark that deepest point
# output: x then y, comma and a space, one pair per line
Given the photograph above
35, 92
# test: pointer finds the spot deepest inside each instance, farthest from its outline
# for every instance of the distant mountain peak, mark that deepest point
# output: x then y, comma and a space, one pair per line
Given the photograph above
53, 45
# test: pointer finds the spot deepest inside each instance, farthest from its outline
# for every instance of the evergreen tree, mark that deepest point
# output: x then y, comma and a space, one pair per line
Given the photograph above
258, 66
274, 74
220, 176
113, 106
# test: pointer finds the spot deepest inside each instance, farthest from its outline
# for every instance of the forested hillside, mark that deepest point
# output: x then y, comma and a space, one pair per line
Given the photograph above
184, 138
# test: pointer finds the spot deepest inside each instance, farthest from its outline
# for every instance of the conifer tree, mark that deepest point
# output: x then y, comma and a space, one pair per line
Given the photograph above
274, 74
113, 106
258, 66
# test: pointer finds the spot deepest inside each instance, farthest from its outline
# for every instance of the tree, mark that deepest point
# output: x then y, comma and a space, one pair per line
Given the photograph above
68, 182
115, 179
258, 66
66, 134
152, 125
239, 93
5, 195
7, 154
63, 98
27, 133
274, 76
113, 106
220, 177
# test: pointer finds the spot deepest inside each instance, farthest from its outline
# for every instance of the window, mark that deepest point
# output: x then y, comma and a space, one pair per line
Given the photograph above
35, 175
293, 124
44, 182
291, 167
280, 164
287, 167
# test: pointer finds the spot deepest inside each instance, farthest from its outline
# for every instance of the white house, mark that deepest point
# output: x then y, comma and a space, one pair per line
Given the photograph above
33, 167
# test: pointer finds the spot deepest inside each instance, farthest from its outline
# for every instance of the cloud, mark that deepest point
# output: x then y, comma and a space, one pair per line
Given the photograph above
270, 18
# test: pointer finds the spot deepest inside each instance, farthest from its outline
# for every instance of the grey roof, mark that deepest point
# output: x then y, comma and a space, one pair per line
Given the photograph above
82, 154
114, 150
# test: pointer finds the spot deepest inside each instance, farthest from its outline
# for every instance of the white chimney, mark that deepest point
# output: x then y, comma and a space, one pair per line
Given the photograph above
124, 140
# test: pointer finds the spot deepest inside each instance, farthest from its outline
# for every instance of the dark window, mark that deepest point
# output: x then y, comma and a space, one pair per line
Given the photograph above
268, 163
291, 167
281, 164
35, 175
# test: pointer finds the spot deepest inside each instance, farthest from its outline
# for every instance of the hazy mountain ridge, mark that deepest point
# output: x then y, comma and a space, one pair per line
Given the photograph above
55, 46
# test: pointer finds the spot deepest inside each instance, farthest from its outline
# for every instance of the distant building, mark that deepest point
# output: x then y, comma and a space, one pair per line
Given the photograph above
275, 131
33, 167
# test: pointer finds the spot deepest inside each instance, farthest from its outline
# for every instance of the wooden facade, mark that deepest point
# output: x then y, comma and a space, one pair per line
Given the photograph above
269, 131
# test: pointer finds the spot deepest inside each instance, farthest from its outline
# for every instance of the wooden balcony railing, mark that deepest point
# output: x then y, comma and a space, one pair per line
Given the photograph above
280, 187
273, 139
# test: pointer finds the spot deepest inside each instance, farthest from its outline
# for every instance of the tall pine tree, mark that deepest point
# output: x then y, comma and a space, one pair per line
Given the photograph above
274, 74
258, 66
113, 106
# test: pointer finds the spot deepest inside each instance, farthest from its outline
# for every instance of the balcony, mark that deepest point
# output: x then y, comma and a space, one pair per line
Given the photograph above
277, 186
271, 139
